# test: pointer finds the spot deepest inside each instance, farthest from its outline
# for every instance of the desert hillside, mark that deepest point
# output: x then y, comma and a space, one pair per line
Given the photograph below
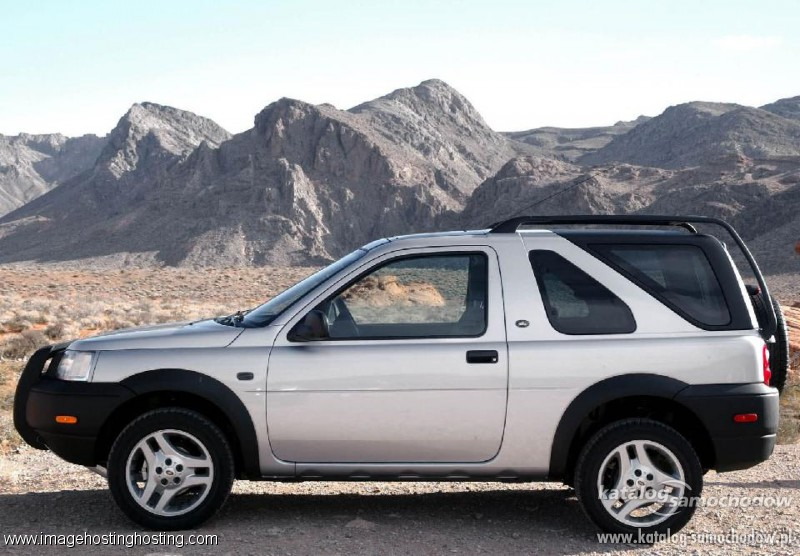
31, 165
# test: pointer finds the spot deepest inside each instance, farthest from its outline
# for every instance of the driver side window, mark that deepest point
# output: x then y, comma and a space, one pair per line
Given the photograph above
412, 297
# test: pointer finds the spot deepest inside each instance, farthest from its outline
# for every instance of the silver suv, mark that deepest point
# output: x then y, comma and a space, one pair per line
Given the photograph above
623, 362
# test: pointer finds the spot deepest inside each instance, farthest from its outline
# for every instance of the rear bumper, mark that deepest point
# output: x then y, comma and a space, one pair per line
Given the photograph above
736, 445
40, 398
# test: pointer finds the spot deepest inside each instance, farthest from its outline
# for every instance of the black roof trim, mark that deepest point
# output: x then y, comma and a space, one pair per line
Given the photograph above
511, 225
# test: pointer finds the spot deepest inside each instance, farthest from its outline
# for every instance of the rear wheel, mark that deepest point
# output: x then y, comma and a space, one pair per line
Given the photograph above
170, 469
638, 475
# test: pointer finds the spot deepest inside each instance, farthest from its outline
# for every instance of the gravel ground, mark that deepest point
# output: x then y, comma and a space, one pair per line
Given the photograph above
40, 493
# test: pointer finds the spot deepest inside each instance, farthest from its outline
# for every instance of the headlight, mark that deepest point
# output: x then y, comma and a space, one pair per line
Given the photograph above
76, 365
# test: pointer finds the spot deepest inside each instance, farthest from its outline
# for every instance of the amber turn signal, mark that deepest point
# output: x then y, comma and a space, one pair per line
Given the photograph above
66, 419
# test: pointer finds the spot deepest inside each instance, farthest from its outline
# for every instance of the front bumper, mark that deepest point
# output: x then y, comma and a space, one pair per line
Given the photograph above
40, 398
736, 445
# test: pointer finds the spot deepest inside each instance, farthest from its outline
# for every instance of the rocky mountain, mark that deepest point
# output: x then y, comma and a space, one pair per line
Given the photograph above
786, 107
305, 184
571, 143
433, 124
31, 165
311, 182
150, 136
702, 133
761, 200
542, 186
147, 143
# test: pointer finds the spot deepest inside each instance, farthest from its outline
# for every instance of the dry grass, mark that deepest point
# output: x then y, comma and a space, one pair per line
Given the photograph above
42, 307
9, 371
789, 429
39, 308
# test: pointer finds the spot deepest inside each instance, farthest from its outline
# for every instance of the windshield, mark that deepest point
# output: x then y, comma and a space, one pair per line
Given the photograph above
269, 311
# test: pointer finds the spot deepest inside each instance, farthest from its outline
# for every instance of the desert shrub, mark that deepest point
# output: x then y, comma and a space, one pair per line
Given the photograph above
16, 324
165, 316
35, 316
20, 346
7, 398
789, 424
116, 323
94, 322
9, 439
54, 331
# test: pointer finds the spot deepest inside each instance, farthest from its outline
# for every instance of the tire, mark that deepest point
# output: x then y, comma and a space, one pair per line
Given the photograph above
191, 473
666, 481
779, 349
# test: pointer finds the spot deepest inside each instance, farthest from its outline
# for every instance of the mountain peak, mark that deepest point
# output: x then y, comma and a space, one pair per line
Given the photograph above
432, 97
700, 107
148, 127
283, 108
148, 116
435, 86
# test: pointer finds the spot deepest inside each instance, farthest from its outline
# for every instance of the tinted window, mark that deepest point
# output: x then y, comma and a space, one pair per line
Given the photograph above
425, 296
575, 302
680, 275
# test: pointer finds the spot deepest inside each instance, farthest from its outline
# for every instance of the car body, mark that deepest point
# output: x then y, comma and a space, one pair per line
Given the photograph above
509, 355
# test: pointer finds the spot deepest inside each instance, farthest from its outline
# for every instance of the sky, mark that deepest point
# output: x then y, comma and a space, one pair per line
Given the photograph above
76, 67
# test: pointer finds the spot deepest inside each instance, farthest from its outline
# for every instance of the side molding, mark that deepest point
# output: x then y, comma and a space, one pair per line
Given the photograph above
602, 392
215, 393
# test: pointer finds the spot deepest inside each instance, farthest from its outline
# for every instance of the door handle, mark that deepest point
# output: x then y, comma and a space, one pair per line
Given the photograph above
482, 356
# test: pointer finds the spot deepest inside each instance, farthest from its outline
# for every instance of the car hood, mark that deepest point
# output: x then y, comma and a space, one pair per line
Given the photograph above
202, 334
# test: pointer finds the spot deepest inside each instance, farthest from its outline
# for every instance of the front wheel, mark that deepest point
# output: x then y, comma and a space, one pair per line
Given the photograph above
170, 469
638, 476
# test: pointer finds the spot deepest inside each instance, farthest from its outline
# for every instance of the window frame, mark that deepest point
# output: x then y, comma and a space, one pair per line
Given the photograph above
539, 280
326, 297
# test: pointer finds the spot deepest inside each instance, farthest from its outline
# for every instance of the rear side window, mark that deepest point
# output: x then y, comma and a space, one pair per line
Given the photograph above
679, 275
575, 302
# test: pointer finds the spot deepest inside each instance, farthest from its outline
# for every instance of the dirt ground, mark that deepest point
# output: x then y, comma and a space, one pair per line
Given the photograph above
39, 493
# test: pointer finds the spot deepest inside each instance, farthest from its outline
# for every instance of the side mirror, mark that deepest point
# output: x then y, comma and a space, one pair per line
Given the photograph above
314, 326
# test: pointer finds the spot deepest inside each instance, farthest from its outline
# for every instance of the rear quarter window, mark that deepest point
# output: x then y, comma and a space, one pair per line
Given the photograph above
680, 276
575, 302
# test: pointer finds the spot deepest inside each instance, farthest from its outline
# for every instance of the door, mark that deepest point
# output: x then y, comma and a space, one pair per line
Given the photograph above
404, 363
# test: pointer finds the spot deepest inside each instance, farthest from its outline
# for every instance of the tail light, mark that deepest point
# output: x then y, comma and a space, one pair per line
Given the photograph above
745, 418
767, 370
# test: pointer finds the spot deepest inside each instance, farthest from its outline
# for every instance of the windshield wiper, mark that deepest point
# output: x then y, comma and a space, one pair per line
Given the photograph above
234, 319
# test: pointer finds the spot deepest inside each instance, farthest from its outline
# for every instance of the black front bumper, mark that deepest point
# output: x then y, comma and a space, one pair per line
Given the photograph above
736, 445
40, 398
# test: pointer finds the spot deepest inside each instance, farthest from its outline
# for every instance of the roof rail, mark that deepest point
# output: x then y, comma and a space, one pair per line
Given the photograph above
511, 226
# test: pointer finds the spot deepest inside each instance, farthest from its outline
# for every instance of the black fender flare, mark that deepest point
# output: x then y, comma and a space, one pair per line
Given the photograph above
599, 393
214, 392
27, 380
